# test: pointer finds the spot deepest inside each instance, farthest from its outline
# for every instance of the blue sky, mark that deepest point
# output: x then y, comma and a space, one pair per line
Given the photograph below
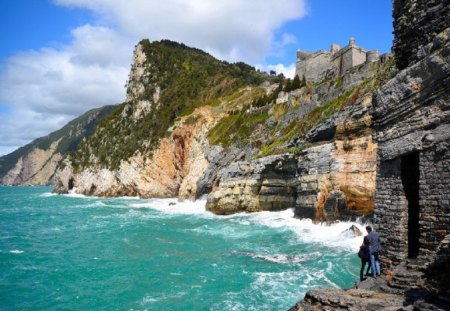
60, 58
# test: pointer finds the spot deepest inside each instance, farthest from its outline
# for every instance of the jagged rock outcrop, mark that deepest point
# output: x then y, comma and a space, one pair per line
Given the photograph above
354, 299
37, 162
263, 185
335, 158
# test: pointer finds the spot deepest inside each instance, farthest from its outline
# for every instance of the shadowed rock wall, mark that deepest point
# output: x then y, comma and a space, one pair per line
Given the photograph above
416, 23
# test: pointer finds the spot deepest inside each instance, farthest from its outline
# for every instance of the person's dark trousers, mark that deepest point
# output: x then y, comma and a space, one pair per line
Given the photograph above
363, 265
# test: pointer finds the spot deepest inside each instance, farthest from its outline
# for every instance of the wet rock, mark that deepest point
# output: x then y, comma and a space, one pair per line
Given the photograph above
354, 230
247, 186
352, 299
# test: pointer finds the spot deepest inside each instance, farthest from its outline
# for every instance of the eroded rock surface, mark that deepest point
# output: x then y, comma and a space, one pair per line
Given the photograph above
265, 184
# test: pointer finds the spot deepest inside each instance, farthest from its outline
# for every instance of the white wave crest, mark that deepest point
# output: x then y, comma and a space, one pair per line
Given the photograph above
282, 258
73, 194
173, 206
16, 251
334, 235
128, 198
97, 204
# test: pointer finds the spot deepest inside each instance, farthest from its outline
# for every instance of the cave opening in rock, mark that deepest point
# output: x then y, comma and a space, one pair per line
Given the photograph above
410, 180
71, 182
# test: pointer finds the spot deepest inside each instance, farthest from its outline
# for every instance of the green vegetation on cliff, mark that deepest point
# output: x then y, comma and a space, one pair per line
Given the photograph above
173, 80
272, 126
186, 78
237, 127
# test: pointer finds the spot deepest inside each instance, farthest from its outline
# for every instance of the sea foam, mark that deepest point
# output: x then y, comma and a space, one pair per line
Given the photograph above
333, 235
173, 206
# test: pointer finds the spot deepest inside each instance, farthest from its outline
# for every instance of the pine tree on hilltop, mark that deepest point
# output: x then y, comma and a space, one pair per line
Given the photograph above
296, 83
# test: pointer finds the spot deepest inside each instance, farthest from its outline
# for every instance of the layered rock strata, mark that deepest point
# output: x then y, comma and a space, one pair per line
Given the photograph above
336, 179
265, 184
412, 122
416, 23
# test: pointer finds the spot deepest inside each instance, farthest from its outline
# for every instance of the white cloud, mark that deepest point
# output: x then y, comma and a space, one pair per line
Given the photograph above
233, 29
288, 71
46, 88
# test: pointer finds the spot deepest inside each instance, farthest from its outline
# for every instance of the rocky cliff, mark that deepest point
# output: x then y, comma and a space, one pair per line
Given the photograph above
36, 163
312, 150
171, 170
156, 143
193, 125
411, 125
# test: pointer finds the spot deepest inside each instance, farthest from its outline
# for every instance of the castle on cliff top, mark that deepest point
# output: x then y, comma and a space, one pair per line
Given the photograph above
320, 65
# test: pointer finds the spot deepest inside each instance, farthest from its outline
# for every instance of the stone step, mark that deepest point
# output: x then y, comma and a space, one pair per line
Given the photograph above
408, 274
417, 264
407, 281
404, 287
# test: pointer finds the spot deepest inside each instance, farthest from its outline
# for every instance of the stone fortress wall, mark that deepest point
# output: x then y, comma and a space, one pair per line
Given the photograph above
321, 65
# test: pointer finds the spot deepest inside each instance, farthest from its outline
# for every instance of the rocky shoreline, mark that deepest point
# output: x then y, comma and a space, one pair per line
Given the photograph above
370, 295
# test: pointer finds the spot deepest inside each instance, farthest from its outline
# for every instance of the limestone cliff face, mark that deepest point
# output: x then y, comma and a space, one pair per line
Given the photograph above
172, 170
35, 168
37, 162
336, 179
156, 143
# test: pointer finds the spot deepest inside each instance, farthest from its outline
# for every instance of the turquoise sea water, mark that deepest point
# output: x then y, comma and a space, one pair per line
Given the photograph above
68, 252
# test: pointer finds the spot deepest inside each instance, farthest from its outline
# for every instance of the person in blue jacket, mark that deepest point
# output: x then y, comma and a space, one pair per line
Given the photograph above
374, 242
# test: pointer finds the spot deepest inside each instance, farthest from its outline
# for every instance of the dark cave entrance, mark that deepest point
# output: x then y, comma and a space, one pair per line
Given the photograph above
71, 181
410, 181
